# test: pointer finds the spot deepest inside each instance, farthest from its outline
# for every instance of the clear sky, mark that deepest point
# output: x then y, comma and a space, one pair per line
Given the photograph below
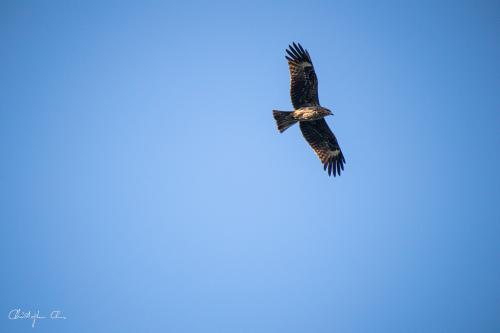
145, 188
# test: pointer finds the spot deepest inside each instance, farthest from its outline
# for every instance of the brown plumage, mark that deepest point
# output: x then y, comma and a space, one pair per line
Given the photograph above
308, 112
303, 80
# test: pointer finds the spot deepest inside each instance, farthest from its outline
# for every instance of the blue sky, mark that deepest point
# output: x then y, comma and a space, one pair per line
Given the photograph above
145, 187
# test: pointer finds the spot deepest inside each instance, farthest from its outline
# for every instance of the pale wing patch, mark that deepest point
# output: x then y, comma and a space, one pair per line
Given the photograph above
333, 153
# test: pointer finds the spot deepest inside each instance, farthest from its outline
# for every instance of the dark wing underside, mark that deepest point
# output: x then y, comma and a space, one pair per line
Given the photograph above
325, 145
303, 80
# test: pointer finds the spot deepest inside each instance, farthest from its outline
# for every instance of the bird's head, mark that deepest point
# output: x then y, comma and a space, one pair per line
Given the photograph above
328, 112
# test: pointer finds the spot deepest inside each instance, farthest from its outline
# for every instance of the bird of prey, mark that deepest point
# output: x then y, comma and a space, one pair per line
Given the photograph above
308, 112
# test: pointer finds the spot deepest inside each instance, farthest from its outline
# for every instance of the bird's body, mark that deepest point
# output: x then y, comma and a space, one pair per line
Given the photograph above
286, 119
308, 112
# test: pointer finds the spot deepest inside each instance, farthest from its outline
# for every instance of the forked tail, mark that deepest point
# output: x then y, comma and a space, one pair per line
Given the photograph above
284, 119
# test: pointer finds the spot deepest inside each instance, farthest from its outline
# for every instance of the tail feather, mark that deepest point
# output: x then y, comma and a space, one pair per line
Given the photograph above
284, 119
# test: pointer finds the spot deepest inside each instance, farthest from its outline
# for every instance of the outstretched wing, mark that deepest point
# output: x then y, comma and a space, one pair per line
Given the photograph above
303, 80
325, 145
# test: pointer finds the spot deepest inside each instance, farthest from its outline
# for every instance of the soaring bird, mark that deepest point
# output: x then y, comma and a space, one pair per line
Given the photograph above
308, 112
